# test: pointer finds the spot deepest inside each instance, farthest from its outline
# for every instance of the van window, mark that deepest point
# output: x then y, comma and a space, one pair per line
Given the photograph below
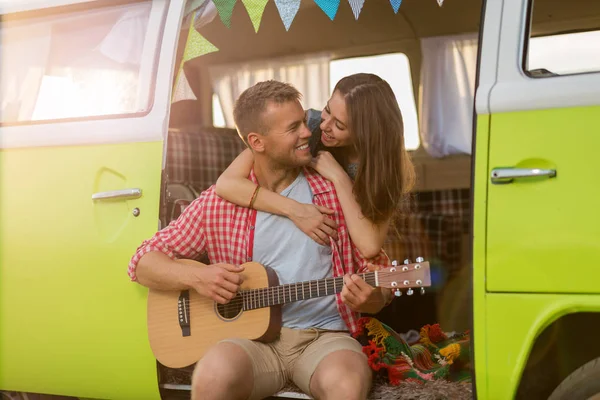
573, 49
307, 73
218, 116
83, 63
395, 69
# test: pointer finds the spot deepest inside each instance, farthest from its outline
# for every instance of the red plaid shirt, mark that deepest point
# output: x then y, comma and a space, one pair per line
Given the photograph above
225, 232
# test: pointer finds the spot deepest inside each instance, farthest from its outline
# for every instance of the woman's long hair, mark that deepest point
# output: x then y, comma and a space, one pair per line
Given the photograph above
385, 174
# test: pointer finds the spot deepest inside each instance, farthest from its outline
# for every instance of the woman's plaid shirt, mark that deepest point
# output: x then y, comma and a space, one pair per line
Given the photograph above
225, 232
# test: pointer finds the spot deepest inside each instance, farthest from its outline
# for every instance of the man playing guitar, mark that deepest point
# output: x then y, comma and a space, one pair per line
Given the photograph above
315, 348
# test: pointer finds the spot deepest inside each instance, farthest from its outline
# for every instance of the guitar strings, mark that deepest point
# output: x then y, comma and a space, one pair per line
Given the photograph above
271, 296
265, 297
229, 308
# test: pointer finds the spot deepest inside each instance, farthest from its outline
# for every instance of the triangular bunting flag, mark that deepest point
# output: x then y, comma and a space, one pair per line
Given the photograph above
356, 6
225, 8
287, 10
183, 90
197, 46
396, 5
440, 2
329, 6
255, 9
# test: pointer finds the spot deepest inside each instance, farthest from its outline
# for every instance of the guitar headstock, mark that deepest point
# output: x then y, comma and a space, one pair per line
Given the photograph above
405, 276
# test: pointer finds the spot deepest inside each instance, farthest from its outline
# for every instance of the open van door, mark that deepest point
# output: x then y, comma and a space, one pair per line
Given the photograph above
536, 197
85, 95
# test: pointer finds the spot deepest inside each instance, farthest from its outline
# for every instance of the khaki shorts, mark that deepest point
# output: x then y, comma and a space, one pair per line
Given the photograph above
293, 357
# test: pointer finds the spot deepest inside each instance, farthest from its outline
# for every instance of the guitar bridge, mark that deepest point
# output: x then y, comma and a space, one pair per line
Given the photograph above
183, 309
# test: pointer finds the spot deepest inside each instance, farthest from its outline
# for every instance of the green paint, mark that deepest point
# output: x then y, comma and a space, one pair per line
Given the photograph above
71, 321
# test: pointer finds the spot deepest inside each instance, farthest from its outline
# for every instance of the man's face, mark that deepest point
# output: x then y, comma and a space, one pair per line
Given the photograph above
286, 142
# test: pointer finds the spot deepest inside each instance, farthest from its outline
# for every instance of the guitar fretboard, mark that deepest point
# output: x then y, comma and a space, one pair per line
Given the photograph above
289, 293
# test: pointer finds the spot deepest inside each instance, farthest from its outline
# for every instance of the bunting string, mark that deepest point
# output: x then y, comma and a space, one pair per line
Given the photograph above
288, 9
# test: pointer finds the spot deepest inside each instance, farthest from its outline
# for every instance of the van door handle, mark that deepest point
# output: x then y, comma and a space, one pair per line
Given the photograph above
133, 193
506, 175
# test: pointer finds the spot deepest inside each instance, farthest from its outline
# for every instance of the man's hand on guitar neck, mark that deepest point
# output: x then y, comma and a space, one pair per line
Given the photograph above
362, 297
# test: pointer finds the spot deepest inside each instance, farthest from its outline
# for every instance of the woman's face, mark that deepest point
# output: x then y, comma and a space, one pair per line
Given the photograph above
334, 125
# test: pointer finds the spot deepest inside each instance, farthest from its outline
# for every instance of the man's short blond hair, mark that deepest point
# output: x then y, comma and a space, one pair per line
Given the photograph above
252, 103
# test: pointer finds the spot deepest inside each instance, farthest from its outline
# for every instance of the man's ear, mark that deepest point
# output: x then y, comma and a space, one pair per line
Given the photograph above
256, 142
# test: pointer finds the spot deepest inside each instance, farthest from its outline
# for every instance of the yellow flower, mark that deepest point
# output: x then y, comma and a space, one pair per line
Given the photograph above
451, 352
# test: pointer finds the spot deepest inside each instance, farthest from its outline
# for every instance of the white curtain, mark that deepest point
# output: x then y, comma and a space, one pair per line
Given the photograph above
310, 75
448, 88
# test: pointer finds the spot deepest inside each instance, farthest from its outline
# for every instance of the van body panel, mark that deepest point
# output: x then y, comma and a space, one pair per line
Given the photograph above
546, 93
534, 239
543, 233
518, 319
64, 259
83, 133
72, 323
488, 48
479, 259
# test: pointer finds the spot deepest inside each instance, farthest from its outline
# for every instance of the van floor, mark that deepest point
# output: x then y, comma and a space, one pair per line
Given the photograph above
434, 390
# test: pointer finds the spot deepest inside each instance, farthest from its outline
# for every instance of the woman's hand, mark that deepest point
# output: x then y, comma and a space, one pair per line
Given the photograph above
314, 222
327, 166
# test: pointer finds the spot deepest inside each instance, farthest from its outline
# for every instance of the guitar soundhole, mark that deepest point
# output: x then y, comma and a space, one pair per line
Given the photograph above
232, 309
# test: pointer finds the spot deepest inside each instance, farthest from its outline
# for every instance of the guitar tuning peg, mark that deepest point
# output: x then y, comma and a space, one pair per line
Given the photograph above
422, 290
397, 293
395, 263
409, 292
420, 259
407, 261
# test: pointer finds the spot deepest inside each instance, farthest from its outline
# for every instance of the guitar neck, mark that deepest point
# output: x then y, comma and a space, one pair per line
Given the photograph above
289, 293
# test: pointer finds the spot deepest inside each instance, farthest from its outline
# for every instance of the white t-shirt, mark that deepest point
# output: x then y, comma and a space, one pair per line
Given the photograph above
295, 257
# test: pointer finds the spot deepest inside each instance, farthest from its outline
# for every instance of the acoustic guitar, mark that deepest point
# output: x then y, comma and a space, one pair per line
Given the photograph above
182, 325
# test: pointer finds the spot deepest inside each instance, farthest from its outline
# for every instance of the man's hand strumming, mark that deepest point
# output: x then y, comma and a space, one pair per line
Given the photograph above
219, 282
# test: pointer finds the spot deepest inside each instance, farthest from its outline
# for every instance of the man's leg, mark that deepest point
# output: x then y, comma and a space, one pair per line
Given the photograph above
237, 369
334, 367
343, 374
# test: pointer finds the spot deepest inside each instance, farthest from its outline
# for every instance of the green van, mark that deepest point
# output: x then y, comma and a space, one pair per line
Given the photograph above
114, 114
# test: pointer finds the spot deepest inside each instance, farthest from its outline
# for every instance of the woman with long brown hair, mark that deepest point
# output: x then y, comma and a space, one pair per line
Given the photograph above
360, 149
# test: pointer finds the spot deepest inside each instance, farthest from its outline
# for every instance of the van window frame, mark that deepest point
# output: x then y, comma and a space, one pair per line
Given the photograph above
502, 75
528, 37
94, 5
